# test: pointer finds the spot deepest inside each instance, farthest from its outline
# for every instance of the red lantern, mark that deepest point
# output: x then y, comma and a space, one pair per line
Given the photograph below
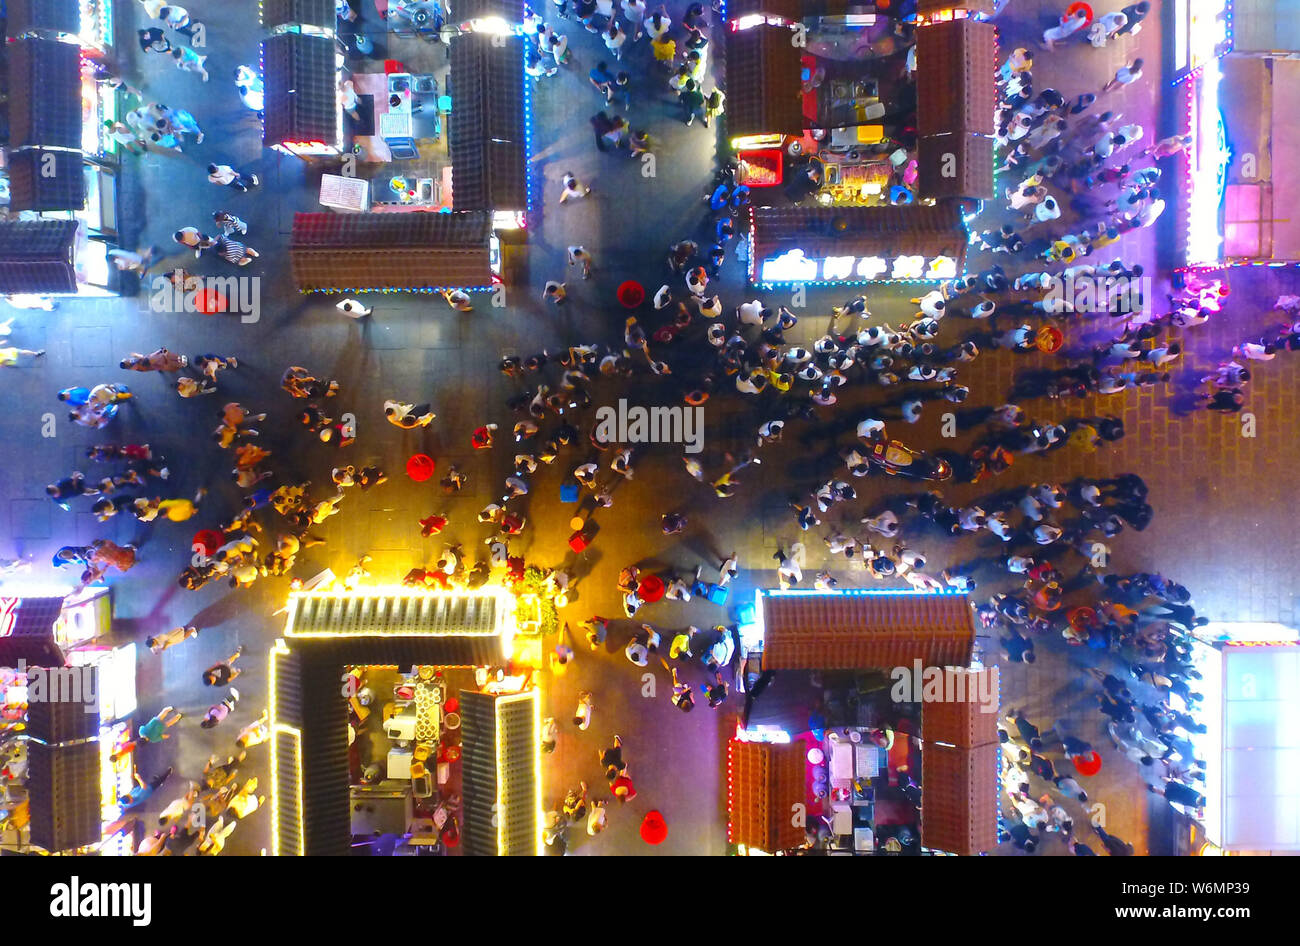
631, 294
1088, 765
420, 467
209, 540
654, 830
1074, 8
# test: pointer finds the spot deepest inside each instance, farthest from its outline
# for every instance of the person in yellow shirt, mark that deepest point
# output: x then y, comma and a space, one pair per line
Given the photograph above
179, 510
665, 50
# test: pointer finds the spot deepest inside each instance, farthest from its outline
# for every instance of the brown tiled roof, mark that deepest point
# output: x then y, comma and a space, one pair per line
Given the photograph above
959, 798
379, 251
929, 7
971, 166
764, 782
461, 11
955, 64
963, 723
303, 12
763, 83
486, 131
44, 94
37, 256
860, 231
301, 89
847, 631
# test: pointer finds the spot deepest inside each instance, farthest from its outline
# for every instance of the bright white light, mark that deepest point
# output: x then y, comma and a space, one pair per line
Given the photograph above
791, 266
942, 267
871, 267
490, 24
908, 267
838, 267
1206, 170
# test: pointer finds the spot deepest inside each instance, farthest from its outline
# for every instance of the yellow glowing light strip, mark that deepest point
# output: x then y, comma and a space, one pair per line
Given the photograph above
279, 729
279, 649
500, 596
534, 695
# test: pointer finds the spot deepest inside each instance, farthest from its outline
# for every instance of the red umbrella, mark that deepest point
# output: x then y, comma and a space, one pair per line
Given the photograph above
420, 467
653, 828
651, 589
1089, 764
1074, 8
631, 294
209, 540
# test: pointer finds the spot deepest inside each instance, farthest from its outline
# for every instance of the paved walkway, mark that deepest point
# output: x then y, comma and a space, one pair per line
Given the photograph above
1205, 479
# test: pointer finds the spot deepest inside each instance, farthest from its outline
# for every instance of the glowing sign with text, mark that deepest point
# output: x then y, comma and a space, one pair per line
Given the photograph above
794, 267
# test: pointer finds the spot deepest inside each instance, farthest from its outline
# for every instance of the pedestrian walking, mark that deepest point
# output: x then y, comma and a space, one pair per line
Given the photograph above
219, 711
353, 309
187, 60
160, 642
225, 175
1125, 75
579, 255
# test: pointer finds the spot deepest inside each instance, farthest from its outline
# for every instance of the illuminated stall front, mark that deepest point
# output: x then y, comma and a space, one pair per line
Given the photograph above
1250, 687
59, 160
430, 710
886, 166
868, 690
410, 152
856, 245
77, 691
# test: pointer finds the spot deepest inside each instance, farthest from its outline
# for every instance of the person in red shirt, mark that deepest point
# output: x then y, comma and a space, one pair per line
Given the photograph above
432, 525
482, 438
622, 787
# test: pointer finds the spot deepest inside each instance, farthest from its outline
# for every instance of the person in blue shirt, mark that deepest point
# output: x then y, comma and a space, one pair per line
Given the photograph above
75, 396
602, 80
142, 790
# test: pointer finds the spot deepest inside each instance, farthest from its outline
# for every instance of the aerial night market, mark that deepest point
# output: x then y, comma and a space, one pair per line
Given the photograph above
872, 441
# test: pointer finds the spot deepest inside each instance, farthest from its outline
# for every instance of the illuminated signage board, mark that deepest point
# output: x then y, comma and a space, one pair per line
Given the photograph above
795, 267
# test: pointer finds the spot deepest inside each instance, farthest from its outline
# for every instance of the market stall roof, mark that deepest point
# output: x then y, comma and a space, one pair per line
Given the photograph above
931, 7
416, 250
792, 10
955, 165
860, 231
487, 133
462, 11
44, 94
59, 16
328, 631
28, 623
65, 712
320, 13
500, 738
36, 256
963, 721
764, 69
300, 76
854, 630
765, 780
63, 783
959, 797
955, 89
1265, 28
32, 186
